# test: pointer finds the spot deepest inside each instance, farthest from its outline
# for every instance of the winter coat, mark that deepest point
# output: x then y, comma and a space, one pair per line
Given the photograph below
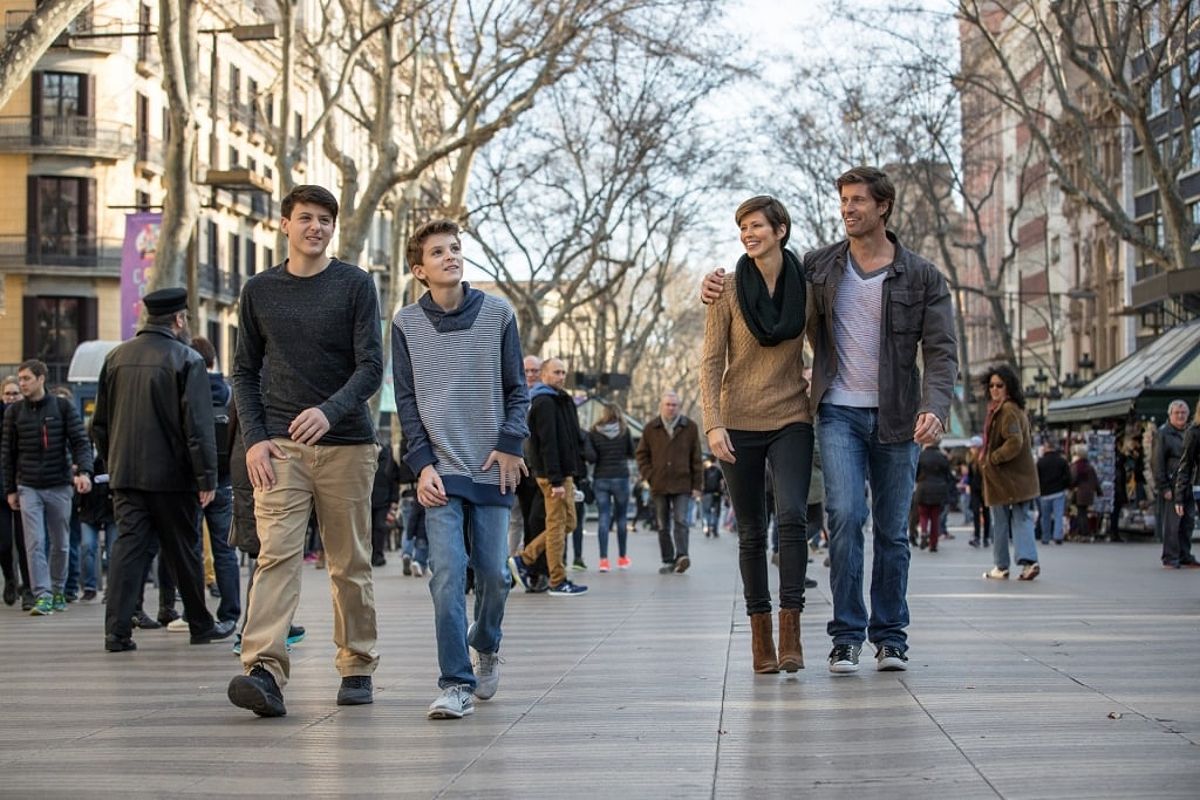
154, 416
243, 533
671, 464
1085, 482
1185, 473
1054, 473
385, 490
555, 446
610, 456
1008, 469
1168, 449
934, 478
41, 441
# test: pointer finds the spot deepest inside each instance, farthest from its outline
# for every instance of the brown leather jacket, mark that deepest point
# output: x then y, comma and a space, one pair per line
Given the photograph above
1009, 471
671, 464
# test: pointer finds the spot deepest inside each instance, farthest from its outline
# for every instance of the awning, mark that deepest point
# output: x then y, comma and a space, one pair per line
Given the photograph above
1144, 383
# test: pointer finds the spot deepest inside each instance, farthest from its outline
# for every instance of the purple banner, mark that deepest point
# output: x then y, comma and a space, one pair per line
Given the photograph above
137, 264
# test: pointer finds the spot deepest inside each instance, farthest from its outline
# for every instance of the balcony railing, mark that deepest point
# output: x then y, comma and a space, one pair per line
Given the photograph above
61, 251
218, 283
66, 136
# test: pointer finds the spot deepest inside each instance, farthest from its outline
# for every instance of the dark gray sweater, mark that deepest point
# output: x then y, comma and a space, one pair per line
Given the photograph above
321, 336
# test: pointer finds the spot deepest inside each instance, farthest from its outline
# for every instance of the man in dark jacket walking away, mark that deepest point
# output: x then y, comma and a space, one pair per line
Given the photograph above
1054, 478
668, 458
43, 436
154, 428
385, 501
556, 460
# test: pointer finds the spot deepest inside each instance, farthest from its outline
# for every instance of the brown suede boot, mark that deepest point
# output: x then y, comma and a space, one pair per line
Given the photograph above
791, 652
763, 643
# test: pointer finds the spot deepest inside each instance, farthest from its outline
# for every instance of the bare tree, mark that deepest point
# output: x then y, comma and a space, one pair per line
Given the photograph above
177, 41
20, 52
581, 209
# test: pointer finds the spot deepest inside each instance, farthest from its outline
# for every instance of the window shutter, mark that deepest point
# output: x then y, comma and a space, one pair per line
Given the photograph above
87, 206
35, 111
88, 107
32, 216
88, 323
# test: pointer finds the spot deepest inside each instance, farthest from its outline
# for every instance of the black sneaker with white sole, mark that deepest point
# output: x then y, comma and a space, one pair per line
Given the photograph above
890, 659
843, 658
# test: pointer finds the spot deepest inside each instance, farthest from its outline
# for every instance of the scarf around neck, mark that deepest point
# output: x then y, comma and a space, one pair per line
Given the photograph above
772, 319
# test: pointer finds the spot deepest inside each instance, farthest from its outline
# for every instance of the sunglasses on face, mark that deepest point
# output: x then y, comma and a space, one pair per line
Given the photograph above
995, 385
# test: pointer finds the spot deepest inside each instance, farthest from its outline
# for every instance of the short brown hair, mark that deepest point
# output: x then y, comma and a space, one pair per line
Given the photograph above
877, 182
772, 209
36, 366
312, 194
206, 350
415, 251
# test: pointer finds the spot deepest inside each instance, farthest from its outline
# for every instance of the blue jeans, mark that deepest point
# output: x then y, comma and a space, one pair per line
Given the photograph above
416, 543
612, 502
46, 515
91, 552
1050, 515
854, 457
712, 513
1015, 521
448, 560
219, 515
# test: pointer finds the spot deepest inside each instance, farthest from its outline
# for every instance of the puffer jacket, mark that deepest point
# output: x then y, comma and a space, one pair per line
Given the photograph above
1008, 469
153, 423
610, 455
41, 441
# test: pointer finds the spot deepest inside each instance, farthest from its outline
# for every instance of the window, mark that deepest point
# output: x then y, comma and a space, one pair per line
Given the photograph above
1141, 171
252, 104
235, 254
62, 216
268, 258
145, 43
54, 327
251, 257
234, 157
143, 201
60, 94
235, 93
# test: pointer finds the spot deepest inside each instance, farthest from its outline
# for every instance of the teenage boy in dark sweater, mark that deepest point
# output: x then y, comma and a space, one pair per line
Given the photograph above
309, 443
462, 401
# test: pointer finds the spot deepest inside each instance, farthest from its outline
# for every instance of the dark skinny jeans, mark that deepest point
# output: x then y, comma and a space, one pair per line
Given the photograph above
789, 451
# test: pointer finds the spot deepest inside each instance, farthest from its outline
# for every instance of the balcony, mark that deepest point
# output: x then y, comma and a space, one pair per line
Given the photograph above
74, 136
219, 284
151, 155
64, 255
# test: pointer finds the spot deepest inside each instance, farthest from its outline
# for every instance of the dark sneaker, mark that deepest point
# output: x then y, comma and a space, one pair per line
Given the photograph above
809, 583
10, 593
356, 690
378, 560
541, 585
59, 601
843, 658
520, 572
237, 645
27, 600
114, 645
578, 566
145, 621
219, 630
406, 564
456, 702
890, 659
88, 595
214, 591
44, 607
257, 692
487, 675
295, 635
681, 564
167, 615
567, 589
667, 569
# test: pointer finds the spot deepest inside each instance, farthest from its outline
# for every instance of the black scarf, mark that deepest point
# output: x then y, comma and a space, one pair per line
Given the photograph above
772, 319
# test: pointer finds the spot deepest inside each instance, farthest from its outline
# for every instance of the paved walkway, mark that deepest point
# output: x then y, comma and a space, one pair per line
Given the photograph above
1083, 684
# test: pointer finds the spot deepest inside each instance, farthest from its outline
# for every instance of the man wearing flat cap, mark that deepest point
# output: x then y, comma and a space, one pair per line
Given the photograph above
154, 427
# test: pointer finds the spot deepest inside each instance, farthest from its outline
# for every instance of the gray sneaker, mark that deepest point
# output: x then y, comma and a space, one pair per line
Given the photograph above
456, 702
487, 673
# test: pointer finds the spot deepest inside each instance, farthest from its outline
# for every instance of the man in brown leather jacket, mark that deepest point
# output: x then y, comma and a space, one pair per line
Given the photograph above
668, 459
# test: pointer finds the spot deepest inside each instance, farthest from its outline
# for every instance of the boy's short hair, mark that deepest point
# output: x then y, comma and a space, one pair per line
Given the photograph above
878, 184
34, 365
772, 209
312, 194
415, 251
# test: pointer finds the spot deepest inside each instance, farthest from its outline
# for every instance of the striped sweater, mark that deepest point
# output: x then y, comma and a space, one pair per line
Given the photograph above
460, 391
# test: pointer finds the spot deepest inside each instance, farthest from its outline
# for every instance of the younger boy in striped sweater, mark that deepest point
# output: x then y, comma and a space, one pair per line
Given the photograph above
462, 403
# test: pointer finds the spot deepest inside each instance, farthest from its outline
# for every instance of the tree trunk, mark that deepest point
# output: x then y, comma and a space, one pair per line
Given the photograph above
21, 52
177, 39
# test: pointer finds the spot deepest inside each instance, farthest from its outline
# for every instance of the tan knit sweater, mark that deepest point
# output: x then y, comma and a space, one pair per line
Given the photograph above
743, 385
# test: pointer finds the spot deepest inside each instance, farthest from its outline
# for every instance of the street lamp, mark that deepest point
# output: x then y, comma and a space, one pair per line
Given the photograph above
1086, 365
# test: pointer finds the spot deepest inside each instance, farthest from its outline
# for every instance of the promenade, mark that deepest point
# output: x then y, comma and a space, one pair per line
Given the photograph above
1082, 684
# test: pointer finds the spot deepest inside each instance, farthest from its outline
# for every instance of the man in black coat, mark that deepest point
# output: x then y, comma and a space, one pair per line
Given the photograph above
555, 456
1054, 479
153, 425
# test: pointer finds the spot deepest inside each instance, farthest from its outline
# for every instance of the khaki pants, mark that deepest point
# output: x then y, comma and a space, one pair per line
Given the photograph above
337, 481
560, 521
